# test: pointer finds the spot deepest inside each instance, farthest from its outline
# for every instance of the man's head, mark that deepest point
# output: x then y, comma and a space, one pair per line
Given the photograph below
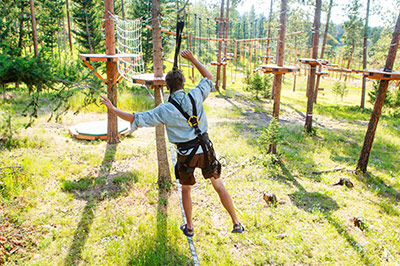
175, 80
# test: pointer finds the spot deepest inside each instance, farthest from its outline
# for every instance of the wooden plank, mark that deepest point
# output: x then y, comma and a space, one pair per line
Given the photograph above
381, 75
108, 58
313, 62
340, 70
148, 79
279, 69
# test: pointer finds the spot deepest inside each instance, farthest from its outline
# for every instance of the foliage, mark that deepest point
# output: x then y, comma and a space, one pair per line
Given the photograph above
259, 84
270, 135
392, 98
340, 89
87, 18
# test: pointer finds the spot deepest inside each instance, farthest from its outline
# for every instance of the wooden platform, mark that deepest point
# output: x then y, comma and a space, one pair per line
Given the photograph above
382, 75
148, 79
332, 65
219, 64
278, 69
357, 71
321, 73
313, 62
108, 58
97, 130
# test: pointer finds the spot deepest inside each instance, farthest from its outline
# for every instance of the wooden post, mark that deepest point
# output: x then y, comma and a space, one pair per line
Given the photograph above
313, 68
69, 27
34, 34
221, 35
226, 20
279, 62
112, 129
364, 80
164, 175
269, 31
323, 49
380, 98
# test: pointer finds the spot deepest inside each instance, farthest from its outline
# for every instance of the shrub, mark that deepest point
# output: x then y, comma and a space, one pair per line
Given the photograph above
259, 84
340, 89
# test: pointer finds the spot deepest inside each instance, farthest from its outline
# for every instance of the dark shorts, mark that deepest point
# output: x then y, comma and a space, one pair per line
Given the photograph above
196, 162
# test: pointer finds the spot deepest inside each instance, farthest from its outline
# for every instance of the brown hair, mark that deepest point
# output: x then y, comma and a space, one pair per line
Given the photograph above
175, 80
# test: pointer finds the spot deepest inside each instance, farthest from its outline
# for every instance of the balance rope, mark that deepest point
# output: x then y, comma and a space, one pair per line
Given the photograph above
189, 238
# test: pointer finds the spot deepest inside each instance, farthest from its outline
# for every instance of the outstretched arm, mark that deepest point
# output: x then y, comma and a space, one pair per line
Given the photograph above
187, 54
121, 114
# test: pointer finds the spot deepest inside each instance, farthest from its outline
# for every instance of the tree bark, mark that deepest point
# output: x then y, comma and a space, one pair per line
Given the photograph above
323, 48
112, 130
164, 176
225, 45
364, 80
311, 77
221, 35
34, 34
380, 98
69, 27
277, 83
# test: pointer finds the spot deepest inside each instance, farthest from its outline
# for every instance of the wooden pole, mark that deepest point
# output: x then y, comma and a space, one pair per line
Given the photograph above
69, 27
221, 35
269, 31
323, 48
34, 34
225, 45
112, 129
277, 83
164, 176
380, 98
311, 78
364, 80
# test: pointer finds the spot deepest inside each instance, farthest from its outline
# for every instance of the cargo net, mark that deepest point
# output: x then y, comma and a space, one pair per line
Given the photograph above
129, 46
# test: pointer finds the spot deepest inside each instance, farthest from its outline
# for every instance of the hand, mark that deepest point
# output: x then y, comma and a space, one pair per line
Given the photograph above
187, 54
104, 100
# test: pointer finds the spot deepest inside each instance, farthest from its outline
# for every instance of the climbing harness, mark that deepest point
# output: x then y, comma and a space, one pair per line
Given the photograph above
202, 140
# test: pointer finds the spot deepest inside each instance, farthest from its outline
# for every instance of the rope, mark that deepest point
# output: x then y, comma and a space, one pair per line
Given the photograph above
189, 238
179, 29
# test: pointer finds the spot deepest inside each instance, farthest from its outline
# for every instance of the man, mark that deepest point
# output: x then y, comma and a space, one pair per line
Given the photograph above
186, 125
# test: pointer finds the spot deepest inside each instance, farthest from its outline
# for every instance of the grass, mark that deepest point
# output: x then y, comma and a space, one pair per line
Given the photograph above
89, 203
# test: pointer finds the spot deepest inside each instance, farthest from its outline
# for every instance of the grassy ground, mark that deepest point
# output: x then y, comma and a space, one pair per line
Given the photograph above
71, 202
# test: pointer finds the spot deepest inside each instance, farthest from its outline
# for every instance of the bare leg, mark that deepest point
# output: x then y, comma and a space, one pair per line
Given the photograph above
187, 204
225, 198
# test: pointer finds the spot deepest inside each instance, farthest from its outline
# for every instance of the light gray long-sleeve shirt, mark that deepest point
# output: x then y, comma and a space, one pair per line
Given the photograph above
178, 129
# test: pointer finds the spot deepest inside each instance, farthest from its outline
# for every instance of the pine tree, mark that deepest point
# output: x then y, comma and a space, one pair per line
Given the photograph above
87, 15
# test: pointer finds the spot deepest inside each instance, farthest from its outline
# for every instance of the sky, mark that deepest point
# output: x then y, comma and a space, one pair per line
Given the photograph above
338, 15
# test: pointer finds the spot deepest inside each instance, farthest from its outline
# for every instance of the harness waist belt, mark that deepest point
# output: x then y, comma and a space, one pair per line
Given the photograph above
193, 143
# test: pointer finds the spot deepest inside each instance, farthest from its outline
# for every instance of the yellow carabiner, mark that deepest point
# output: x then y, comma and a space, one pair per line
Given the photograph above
193, 121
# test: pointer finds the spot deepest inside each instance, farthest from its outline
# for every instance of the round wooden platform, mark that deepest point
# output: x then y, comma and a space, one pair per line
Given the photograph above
97, 130
278, 69
108, 58
148, 79
382, 75
321, 73
219, 64
313, 62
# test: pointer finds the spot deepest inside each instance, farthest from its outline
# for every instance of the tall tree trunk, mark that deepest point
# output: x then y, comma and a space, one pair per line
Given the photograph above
313, 68
34, 34
164, 176
21, 31
349, 63
225, 45
269, 40
69, 28
323, 49
112, 129
380, 98
364, 80
277, 83
221, 35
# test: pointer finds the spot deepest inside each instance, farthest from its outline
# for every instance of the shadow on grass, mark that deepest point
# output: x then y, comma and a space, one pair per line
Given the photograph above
93, 190
159, 250
316, 201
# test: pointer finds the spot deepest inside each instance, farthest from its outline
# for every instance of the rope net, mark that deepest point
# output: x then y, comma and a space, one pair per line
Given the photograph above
129, 43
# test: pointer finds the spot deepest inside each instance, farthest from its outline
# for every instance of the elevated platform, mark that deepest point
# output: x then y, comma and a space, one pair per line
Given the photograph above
109, 58
313, 62
332, 65
322, 73
279, 69
357, 71
148, 79
382, 75
219, 64
343, 70
97, 130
